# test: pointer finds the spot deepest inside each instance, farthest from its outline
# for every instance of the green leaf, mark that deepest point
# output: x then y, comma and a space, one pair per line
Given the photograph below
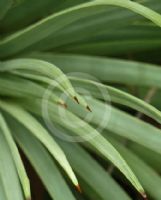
41, 134
2, 192
46, 70
112, 47
16, 157
23, 14
124, 125
5, 5
39, 67
149, 178
44, 28
99, 142
10, 86
152, 158
92, 173
8, 173
105, 30
106, 69
41, 161
109, 93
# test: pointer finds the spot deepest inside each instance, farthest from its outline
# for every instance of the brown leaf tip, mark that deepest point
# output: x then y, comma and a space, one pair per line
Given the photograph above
79, 188
144, 196
64, 105
88, 108
76, 99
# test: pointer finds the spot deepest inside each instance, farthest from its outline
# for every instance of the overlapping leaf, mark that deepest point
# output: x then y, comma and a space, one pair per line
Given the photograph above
44, 28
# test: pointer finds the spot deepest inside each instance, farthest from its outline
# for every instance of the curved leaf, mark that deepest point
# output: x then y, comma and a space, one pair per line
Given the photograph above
98, 142
16, 157
92, 173
123, 124
42, 162
10, 87
107, 69
44, 28
41, 134
46, 70
39, 67
116, 96
8, 178
141, 169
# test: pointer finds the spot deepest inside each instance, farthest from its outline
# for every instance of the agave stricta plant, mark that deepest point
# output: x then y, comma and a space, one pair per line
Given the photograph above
54, 88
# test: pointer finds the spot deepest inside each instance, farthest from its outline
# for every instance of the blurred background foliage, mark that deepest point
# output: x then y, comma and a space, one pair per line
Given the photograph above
114, 45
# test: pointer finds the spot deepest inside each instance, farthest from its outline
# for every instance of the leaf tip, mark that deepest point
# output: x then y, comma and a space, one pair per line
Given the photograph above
88, 108
143, 194
76, 99
64, 105
79, 188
